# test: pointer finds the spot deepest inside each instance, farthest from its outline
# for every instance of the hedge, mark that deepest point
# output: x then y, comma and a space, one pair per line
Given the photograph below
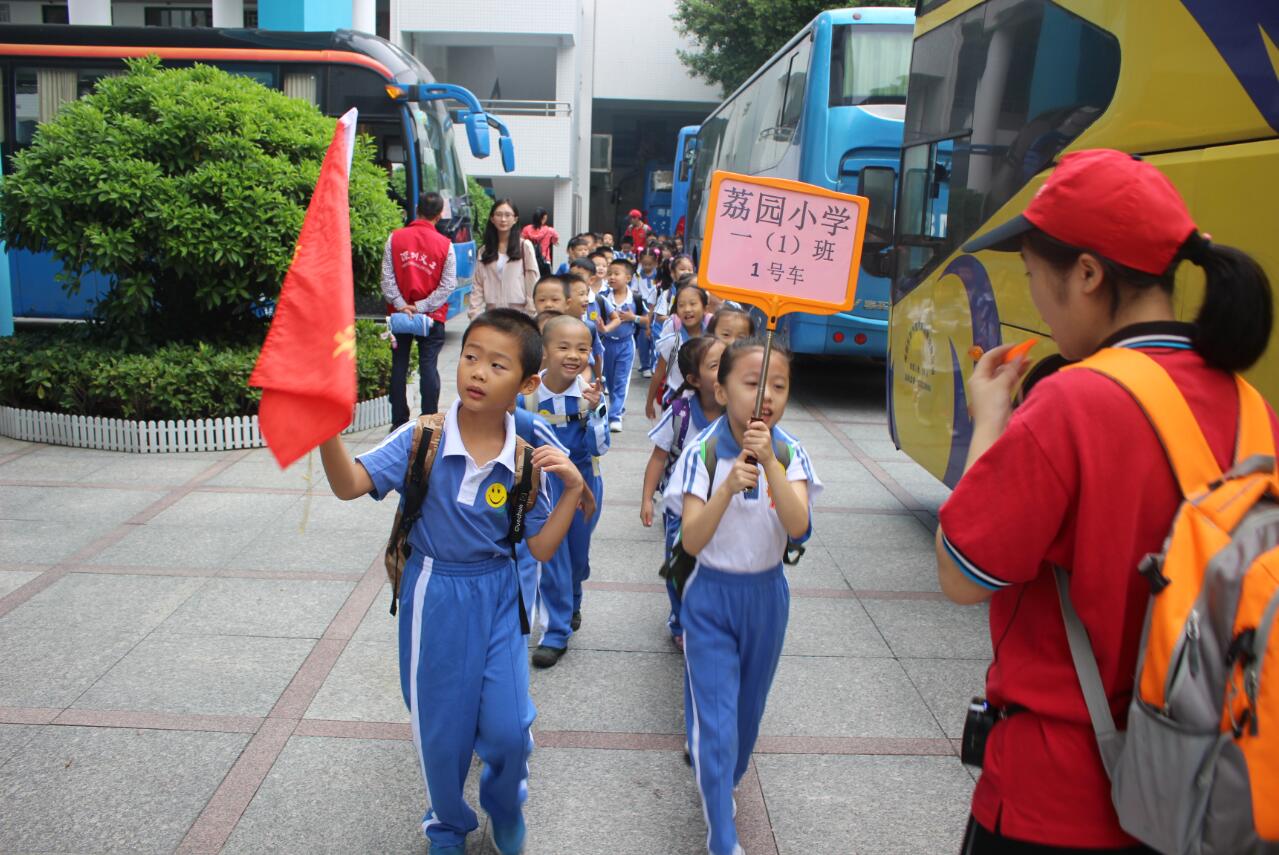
66, 371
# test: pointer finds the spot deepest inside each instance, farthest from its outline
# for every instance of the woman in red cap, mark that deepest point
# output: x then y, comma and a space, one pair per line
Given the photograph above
637, 230
1076, 477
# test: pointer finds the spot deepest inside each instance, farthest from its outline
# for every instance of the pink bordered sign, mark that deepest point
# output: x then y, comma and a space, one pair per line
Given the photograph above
781, 245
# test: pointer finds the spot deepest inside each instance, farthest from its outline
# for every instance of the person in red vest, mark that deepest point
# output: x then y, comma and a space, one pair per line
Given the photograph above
637, 230
419, 272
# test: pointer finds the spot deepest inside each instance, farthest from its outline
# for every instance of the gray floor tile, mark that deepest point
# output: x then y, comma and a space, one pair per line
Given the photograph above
831, 627
222, 675
318, 549
378, 626
226, 510
53, 464
634, 561
865, 805
167, 469
816, 569
259, 469
948, 685
622, 522
858, 495
321, 512
874, 569
616, 802
107, 603
47, 542
351, 796
932, 630
261, 607
11, 580
83, 789
364, 685
615, 692
892, 532
179, 546
13, 737
826, 696
50, 665
73, 504
621, 621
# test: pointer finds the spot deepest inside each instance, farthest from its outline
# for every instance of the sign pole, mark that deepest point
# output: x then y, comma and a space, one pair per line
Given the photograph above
763, 371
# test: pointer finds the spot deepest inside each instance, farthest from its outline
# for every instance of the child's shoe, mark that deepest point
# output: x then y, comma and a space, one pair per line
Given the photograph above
508, 840
615, 426
546, 657
575, 623
459, 849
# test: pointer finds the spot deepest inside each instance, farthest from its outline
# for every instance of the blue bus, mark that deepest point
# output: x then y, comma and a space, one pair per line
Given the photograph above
401, 107
685, 147
657, 197
824, 108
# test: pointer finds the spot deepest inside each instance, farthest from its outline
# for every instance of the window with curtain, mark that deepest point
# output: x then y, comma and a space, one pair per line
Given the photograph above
54, 87
304, 86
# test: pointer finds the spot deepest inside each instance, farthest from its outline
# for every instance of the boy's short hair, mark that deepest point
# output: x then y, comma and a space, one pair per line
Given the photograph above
624, 262
562, 324
628, 239
600, 254
544, 317
583, 264
578, 242
551, 277
520, 327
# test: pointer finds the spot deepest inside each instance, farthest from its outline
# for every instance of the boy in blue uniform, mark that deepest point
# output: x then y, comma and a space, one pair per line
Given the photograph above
626, 314
463, 659
572, 407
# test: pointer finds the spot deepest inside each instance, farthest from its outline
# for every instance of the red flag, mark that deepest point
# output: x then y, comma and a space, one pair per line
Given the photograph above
306, 369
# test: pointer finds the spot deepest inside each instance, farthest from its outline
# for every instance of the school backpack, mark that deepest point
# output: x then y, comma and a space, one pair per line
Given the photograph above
426, 444
681, 419
679, 565
1197, 770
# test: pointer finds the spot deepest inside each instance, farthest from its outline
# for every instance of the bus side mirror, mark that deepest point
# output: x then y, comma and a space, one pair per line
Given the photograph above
877, 183
477, 133
507, 148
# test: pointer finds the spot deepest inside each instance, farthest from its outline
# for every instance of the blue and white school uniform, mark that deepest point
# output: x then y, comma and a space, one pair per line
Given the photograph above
536, 431
668, 345
584, 433
463, 657
734, 612
619, 353
645, 337
597, 344
679, 423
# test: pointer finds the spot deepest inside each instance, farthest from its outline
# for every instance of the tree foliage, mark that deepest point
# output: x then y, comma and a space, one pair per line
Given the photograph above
188, 187
735, 37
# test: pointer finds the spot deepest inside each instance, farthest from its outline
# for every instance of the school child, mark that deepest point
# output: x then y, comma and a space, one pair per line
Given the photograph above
731, 323
669, 276
690, 312
583, 306
692, 410
645, 283
551, 293
572, 407
577, 248
464, 672
626, 314
1076, 477
737, 515
543, 317
628, 250
600, 259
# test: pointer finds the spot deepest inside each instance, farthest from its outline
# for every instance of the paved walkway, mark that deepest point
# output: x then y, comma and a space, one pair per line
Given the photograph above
196, 656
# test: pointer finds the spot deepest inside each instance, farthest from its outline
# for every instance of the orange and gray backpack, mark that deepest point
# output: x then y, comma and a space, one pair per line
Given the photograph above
1197, 770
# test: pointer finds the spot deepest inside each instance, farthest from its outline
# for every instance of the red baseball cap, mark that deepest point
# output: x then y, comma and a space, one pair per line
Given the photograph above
1106, 201
636, 213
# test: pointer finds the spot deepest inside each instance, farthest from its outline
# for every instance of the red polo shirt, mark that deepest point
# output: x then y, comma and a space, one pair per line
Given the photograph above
1078, 479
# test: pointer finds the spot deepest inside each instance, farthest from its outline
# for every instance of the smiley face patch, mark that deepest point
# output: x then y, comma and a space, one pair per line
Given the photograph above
495, 495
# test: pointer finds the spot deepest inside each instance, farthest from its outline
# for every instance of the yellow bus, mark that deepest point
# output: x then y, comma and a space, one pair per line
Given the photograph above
998, 90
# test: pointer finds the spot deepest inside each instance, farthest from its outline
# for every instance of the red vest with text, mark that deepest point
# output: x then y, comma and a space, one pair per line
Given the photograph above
418, 252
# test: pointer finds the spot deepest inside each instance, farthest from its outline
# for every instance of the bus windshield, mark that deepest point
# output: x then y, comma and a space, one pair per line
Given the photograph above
870, 64
995, 95
441, 171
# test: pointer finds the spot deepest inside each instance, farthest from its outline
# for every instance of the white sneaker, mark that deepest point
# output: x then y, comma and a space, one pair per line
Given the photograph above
646, 373
615, 426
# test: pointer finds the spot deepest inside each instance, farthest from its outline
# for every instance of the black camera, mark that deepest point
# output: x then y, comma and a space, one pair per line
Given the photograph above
981, 720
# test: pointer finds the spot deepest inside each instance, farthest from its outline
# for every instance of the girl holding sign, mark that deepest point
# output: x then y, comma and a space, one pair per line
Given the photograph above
736, 603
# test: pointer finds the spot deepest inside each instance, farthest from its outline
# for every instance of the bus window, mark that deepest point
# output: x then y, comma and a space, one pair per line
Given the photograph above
870, 64
39, 94
770, 143
305, 86
796, 87
1026, 78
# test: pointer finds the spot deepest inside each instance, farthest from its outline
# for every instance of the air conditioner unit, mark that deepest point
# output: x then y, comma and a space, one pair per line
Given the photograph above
601, 152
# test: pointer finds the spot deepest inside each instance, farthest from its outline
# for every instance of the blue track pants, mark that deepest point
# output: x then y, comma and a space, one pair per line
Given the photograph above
671, 524
619, 358
464, 675
562, 576
645, 349
734, 625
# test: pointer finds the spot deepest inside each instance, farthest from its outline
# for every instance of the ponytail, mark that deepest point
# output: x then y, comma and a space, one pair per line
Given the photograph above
1235, 318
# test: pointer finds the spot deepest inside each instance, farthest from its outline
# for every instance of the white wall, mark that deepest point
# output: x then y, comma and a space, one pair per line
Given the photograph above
635, 54
485, 16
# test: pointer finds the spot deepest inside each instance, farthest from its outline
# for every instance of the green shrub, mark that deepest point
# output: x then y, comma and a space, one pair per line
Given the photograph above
481, 204
69, 372
187, 187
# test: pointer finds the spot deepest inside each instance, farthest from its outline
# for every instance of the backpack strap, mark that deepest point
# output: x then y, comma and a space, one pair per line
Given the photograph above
530, 401
426, 444
1256, 437
517, 508
1193, 463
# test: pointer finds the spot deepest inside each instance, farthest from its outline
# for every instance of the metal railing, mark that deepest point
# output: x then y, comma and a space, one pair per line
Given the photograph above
506, 107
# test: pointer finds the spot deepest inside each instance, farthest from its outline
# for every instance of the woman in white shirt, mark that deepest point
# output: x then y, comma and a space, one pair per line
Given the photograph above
507, 271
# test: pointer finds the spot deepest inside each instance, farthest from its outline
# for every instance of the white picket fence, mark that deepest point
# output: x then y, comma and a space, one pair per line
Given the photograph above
159, 437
